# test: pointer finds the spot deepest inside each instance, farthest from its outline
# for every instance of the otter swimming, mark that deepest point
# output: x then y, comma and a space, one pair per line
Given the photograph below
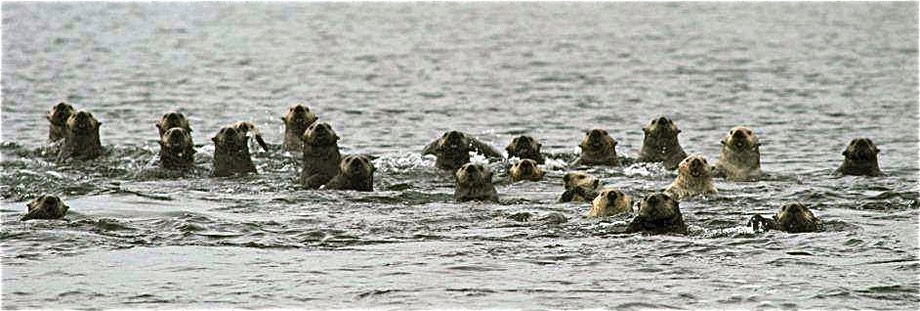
860, 158
693, 178
658, 213
58, 117
579, 187
356, 172
792, 218
526, 169
176, 150
660, 144
171, 120
609, 202
45, 207
740, 158
525, 147
321, 157
474, 182
453, 150
231, 153
296, 122
81, 138
598, 148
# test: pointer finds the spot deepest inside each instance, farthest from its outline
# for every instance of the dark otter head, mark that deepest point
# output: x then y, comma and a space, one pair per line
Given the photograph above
661, 127
320, 134
82, 122
596, 140
695, 166
454, 141
741, 138
796, 217
861, 150
473, 174
171, 120
299, 116
229, 137
356, 166
60, 113
659, 207
523, 145
45, 207
582, 180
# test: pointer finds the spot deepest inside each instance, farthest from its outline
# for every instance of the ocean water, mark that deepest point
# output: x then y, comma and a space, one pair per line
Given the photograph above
807, 77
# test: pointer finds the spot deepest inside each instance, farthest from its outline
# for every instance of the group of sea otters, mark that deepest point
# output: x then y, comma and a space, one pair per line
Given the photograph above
77, 134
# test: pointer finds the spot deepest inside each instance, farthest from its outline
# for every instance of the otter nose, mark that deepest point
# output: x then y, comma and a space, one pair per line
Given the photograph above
61, 105
52, 200
663, 120
299, 109
652, 199
612, 195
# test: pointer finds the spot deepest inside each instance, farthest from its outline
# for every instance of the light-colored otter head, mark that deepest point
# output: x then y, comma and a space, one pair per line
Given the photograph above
597, 140
82, 122
45, 207
526, 169
523, 146
861, 150
320, 134
299, 116
741, 138
60, 113
694, 166
661, 127
472, 174
177, 138
171, 120
658, 207
357, 166
609, 202
229, 137
796, 217
581, 180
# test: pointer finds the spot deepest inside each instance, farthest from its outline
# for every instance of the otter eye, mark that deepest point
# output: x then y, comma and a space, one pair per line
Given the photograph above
654, 121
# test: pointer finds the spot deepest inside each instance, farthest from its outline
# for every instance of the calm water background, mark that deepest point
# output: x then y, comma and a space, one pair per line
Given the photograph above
808, 77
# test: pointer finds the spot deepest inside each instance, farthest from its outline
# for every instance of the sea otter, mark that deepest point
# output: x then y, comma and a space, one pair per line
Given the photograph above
245, 128
860, 158
296, 122
321, 157
81, 138
693, 178
474, 182
356, 172
231, 153
45, 207
661, 144
609, 202
526, 169
658, 213
525, 147
740, 158
598, 148
579, 187
453, 150
171, 120
792, 218
58, 118
176, 150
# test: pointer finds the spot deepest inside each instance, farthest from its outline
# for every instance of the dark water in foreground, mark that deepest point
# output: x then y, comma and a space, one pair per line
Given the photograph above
390, 78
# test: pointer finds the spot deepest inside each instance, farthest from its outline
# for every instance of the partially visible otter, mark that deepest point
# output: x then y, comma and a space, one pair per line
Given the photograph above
231, 153
321, 157
740, 158
296, 122
45, 207
792, 218
355, 173
579, 187
526, 169
58, 118
660, 144
860, 158
658, 213
453, 150
81, 138
245, 127
598, 148
171, 120
474, 182
525, 147
693, 178
609, 202
176, 150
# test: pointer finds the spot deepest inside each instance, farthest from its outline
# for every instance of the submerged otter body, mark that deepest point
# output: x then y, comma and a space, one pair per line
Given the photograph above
661, 145
609, 202
231, 153
45, 207
453, 150
740, 158
598, 148
356, 172
579, 187
792, 218
526, 169
321, 157
81, 138
860, 159
693, 178
176, 150
525, 147
296, 122
474, 182
57, 118
658, 213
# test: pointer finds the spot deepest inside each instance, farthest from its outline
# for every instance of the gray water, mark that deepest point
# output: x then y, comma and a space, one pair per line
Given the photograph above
808, 77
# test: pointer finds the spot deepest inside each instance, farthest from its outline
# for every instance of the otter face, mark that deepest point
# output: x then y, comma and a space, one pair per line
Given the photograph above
523, 145
661, 127
473, 174
861, 150
796, 217
526, 169
60, 113
357, 166
609, 202
46, 207
659, 206
82, 122
171, 120
229, 137
597, 139
300, 116
454, 141
741, 138
176, 137
320, 134
695, 166
581, 180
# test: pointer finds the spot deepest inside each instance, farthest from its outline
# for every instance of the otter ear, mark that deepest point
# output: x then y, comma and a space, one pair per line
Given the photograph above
214, 139
846, 153
678, 131
159, 126
48, 117
566, 178
722, 141
510, 149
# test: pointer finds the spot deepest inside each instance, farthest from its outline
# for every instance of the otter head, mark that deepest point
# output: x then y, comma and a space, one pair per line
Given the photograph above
741, 138
177, 138
320, 134
796, 217
45, 207
473, 174
694, 166
357, 166
454, 141
171, 120
610, 201
580, 180
596, 140
60, 113
82, 122
230, 137
299, 116
659, 207
523, 145
526, 169
661, 127
861, 150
